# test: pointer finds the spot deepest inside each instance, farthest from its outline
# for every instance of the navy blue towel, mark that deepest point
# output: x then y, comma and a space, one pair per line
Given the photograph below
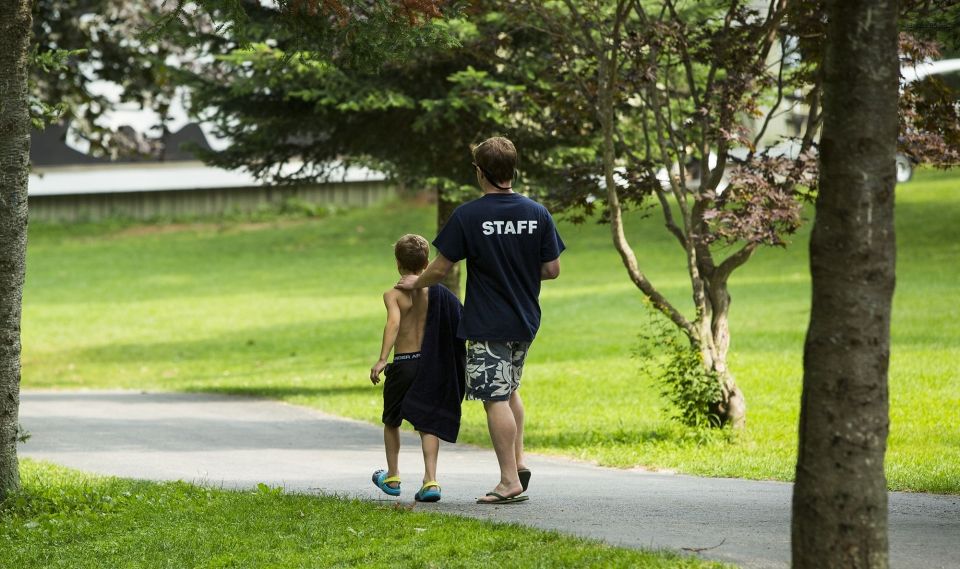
432, 404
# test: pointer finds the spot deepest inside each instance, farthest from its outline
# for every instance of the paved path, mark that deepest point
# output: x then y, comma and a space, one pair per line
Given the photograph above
238, 442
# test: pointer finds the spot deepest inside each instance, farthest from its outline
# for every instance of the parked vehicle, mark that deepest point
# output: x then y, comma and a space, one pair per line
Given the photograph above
905, 162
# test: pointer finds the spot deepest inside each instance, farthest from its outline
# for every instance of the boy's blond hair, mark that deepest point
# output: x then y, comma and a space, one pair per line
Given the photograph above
412, 252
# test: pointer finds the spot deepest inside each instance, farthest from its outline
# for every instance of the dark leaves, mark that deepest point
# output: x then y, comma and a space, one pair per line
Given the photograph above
764, 200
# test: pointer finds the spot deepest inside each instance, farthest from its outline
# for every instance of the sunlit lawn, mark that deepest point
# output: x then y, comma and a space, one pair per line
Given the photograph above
291, 309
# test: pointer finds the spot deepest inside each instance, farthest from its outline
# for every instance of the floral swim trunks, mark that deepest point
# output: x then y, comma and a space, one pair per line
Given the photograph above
494, 369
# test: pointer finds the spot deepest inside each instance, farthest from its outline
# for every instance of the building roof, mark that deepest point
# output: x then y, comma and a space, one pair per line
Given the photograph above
49, 148
158, 177
59, 169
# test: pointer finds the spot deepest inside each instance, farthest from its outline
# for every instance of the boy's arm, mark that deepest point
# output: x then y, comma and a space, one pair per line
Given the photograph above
390, 331
433, 274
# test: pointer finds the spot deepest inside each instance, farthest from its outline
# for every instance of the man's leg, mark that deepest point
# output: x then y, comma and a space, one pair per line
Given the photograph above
391, 442
516, 407
431, 448
503, 433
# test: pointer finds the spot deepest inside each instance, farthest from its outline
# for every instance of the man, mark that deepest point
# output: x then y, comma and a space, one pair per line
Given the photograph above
510, 243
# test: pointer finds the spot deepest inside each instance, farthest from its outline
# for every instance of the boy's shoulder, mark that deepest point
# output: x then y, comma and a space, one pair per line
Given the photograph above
392, 294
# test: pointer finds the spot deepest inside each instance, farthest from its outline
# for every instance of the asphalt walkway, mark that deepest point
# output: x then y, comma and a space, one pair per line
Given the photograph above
239, 442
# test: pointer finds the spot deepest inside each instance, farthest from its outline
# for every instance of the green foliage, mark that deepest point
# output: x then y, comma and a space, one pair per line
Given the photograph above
691, 390
362, 34
451, 190
299, 207
63, 518
475, 91
43, 112
411, 116
80, 42
148, 50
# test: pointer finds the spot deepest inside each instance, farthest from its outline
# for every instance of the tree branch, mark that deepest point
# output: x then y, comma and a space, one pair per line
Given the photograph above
607, 114
733, 262
814, 117
658, 191
584, 28
775, 14
686, 59
773, 109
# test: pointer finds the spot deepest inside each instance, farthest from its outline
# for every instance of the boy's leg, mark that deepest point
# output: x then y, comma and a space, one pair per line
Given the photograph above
503, 433
516, 406
431, 448
391, 442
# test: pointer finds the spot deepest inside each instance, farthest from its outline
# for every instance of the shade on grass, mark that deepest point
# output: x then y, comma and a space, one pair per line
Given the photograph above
292, 309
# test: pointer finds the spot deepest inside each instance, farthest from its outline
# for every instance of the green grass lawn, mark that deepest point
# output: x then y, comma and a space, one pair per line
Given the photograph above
292, 309
67, 519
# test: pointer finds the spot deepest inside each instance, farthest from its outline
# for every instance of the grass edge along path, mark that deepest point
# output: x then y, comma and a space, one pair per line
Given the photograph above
66, 518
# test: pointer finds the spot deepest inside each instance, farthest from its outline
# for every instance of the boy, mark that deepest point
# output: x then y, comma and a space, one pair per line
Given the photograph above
425, 382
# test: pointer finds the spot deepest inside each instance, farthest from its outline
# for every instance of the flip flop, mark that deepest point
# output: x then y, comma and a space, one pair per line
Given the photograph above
429, 492
501, 499
382, 482
524, 474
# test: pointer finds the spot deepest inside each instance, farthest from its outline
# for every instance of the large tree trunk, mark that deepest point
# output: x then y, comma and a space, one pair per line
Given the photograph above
840, 495
15, 23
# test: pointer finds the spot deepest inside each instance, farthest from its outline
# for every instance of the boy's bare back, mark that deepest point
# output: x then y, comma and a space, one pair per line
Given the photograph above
412, 307
406, 310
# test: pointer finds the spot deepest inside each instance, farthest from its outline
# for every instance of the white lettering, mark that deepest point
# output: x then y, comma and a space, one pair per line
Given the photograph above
501, 227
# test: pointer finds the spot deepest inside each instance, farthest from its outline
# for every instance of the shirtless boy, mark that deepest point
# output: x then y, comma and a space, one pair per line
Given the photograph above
407, 313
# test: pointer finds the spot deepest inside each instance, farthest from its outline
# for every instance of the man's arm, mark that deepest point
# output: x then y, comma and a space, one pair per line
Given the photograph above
433, 274
550, 270
390, 331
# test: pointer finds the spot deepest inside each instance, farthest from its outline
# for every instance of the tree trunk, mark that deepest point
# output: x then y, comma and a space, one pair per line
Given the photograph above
444, 211
732, 408
710, 333
15, 24
840, 495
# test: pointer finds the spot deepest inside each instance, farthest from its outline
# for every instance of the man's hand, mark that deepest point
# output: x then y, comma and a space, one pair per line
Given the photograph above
407, 282
375, 371
433, 274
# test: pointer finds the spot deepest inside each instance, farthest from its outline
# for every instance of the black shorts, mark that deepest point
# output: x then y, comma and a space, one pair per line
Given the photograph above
399, 376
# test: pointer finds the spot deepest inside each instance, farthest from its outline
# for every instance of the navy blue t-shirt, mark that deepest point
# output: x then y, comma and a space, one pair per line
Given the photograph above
504, 238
